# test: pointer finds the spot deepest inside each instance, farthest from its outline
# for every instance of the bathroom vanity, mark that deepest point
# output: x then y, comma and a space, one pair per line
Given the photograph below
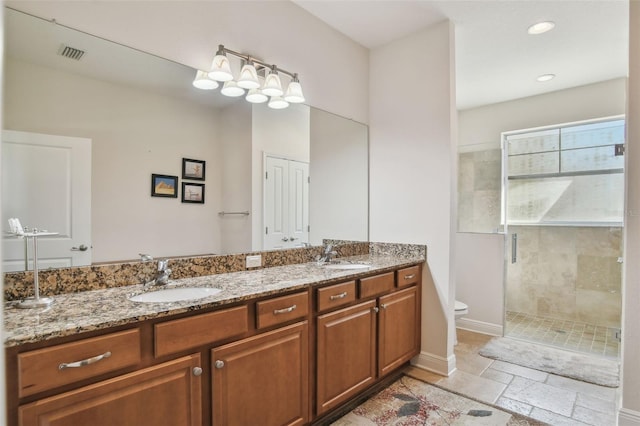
287, 345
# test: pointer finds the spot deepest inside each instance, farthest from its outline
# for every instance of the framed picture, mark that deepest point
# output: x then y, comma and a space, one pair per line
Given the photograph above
164, 186
193, 192
193, 169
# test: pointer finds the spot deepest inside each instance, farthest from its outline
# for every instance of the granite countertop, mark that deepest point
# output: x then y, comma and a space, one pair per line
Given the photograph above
74, 313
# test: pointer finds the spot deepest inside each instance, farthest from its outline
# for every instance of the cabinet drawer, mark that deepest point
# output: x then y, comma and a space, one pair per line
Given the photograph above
59, 365
408, 276
186, 333
377, 285
336, 295
282, 309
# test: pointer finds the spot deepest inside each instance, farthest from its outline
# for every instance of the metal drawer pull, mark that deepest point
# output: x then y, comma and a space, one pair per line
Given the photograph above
285, 310
84, 362
197, 371
409, 277
338, 296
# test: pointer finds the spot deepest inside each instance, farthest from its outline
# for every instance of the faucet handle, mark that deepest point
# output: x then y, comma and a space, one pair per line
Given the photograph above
162, 264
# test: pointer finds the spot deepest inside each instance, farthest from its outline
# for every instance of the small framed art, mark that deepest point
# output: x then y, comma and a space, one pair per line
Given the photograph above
164, 186
193, 169
193, 192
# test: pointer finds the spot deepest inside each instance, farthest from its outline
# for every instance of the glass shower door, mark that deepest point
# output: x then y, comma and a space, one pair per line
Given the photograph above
563, 199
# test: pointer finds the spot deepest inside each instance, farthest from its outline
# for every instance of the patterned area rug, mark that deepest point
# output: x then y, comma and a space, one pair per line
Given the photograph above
409, 402
592, 369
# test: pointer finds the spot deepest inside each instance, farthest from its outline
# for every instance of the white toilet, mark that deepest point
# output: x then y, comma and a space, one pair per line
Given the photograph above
461, 310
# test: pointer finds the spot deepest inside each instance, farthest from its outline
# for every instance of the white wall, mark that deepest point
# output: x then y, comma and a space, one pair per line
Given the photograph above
134, 133
412, 169
282, 133
339, 170
479, 281
278, 32
235, 139
630, 411
483, 125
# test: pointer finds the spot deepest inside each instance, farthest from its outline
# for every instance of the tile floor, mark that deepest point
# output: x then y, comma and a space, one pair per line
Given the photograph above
572, 335
553, 399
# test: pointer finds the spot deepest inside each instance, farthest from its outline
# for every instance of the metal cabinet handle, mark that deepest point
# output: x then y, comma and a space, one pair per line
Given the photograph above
383, 306
285, 239
219, 364
285, 310
514, 248
375, 309
197, 371
81, 248
409, 277
84, 362
338, 296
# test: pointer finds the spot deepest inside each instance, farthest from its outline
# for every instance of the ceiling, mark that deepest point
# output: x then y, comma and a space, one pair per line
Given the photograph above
496, 60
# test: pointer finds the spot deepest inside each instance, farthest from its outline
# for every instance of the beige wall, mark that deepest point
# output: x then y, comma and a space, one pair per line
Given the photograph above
412, 169
134, 133
630, 411
333, 69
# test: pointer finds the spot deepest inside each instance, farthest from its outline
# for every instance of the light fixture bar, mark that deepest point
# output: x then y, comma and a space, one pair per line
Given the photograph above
249, 58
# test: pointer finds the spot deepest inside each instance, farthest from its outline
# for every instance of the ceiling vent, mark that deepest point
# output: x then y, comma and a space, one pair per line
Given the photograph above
70, 52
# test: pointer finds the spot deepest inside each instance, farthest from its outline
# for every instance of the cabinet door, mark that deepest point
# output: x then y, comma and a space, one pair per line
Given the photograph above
167, 394
398, 329
346, 362
263, 379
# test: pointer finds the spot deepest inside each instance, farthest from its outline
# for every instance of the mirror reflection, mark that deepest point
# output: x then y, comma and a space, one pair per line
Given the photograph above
83, 136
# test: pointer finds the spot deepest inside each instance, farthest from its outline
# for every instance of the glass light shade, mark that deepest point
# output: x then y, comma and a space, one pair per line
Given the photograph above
541, 27
220, 69
545, 77
231, 89
294, 93
248, 77
272, 85
255, 96
277, 102
202, 81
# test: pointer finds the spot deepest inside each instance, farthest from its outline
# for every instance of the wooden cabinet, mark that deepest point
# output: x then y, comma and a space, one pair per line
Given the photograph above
166, 394
359, 344
263, 379
398, 329
346, 354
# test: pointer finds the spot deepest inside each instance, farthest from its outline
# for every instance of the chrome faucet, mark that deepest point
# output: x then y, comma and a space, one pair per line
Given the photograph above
162, 274
328, 253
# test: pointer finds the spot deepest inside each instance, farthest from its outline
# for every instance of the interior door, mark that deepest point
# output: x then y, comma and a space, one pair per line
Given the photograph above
286, 203
46, 183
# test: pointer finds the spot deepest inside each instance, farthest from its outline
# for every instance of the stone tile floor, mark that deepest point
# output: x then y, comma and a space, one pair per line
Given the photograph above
572, 335
553, 399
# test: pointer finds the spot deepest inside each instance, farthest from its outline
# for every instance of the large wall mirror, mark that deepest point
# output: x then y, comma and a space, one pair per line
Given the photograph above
134, 115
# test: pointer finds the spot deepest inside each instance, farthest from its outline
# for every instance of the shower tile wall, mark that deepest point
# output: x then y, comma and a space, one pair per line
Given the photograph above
479, 183
567, 273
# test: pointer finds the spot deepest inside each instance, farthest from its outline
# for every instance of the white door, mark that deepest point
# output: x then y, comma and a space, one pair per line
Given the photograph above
286, 203
46, 183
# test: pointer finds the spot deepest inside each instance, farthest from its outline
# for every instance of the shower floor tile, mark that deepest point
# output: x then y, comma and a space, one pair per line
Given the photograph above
572, 335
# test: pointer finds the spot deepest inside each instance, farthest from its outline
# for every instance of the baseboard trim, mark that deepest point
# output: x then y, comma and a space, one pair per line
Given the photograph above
479, 326
628, 417
435, 363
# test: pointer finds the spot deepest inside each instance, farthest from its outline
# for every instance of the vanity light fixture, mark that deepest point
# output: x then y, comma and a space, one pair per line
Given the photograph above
541, 27
252, 73
545, 77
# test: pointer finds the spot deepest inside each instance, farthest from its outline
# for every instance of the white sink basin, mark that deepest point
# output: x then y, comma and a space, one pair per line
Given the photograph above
175, 295
346, 266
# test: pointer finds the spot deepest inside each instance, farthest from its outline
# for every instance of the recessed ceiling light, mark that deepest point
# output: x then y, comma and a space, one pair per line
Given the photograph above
541, 27
545, 77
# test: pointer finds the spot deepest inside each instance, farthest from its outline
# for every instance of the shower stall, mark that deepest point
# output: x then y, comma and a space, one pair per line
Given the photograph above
557, 196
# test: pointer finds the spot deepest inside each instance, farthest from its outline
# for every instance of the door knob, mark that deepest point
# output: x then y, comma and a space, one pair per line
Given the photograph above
81, 248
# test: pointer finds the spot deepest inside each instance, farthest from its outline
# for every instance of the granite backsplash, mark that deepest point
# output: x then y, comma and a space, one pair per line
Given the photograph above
19, 285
